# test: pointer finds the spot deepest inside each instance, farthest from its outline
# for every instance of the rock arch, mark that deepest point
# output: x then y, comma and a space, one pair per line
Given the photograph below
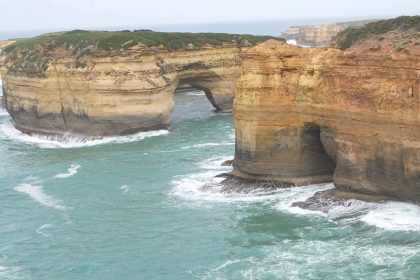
118, 94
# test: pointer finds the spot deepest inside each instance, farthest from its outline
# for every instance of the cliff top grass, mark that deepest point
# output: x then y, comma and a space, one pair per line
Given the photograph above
350, 36
31, 57
122, 40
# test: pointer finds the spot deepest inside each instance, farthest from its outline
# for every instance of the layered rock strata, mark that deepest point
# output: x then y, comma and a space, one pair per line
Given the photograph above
305, 116
122, 93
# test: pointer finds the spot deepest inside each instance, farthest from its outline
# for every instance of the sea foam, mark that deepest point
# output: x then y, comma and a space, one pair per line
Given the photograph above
8, 131
391, 216
37, 193
72, 170
205, 186
318, 259
396, 216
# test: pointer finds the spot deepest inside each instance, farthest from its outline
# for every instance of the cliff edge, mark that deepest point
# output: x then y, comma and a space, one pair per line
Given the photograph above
112, 83
321, 35
307, 115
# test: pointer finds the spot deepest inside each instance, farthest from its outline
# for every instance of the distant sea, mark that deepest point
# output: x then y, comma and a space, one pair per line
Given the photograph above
273, 28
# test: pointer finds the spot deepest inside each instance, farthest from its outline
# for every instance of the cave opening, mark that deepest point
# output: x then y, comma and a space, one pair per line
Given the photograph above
318, 149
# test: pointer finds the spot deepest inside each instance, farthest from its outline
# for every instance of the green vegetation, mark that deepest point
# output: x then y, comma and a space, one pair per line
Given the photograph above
351, 35
115, 41
32, 56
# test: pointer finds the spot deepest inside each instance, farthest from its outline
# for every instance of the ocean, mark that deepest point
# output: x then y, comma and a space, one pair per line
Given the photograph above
267, 27
134, 207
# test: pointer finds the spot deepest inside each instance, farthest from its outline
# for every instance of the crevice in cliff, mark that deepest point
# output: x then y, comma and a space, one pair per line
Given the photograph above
316, 150
63, 115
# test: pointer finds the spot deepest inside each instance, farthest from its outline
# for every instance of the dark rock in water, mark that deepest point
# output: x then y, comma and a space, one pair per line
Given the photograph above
323, 201
232, 184
228, 162
1, 102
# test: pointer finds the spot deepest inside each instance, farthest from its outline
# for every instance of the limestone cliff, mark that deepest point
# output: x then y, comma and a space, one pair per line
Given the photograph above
321, 35
114, 85
306, 115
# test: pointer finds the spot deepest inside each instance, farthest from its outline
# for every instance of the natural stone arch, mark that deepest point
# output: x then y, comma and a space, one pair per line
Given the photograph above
120, 94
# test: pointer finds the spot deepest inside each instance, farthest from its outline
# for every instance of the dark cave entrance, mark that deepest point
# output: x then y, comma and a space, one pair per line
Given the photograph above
318, 149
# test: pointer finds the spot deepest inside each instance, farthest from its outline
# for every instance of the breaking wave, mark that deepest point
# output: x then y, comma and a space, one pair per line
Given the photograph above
8, 131
394, 216
205, 186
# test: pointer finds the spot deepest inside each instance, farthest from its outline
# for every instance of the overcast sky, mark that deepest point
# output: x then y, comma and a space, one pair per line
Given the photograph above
68, 14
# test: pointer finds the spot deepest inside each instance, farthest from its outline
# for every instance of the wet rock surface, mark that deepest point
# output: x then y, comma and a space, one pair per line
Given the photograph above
227, 162
233, 184
323, 201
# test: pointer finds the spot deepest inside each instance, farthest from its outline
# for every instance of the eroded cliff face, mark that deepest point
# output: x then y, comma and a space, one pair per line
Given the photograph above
122, 93
306, 116
321, 35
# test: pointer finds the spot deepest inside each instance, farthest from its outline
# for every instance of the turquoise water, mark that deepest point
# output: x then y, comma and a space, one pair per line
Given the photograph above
132, 208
